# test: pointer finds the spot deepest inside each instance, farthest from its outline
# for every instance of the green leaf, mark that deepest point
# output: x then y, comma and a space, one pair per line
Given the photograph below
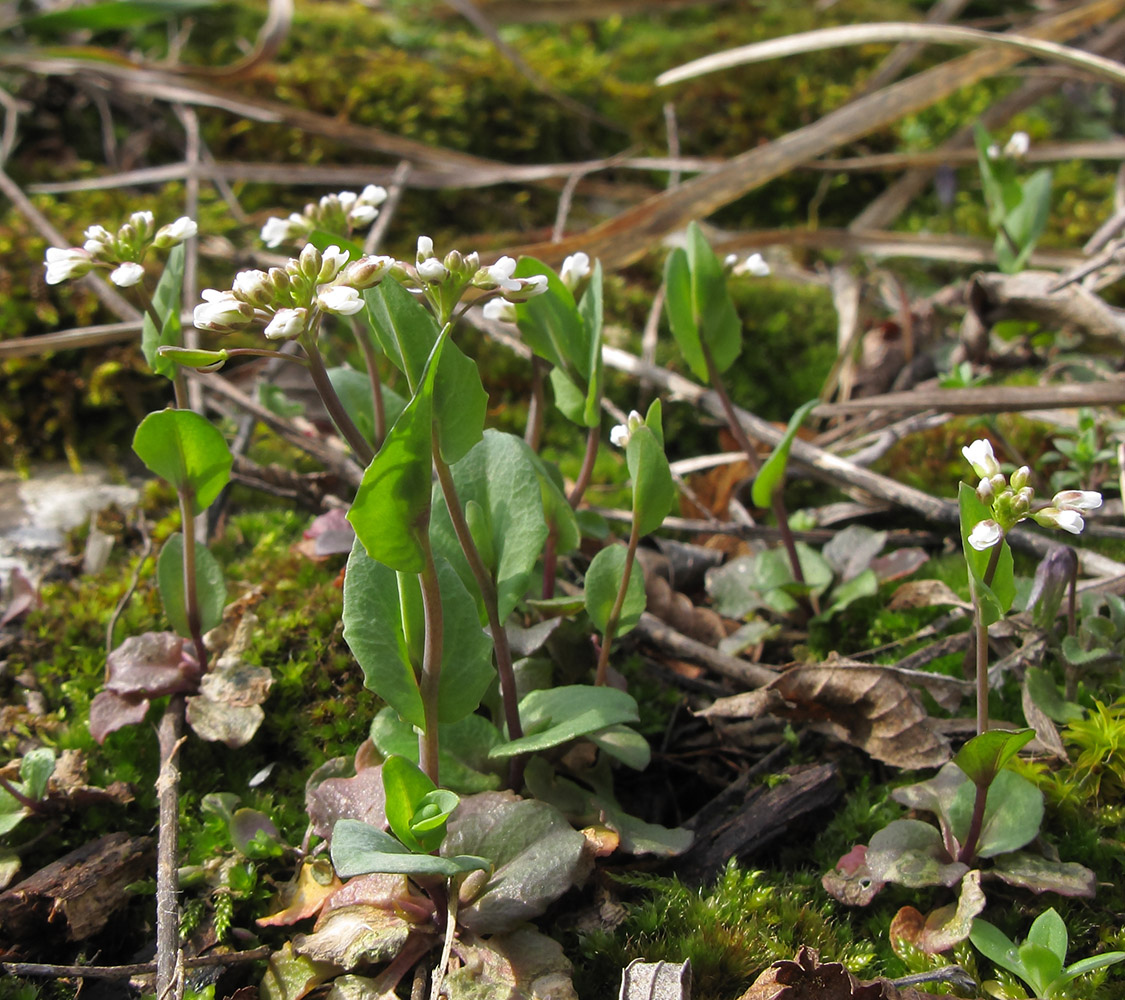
1041, 965
166, 302
995, 176
188, 451
463, 749
997, 947
625, 744
355, 392
499, 476
681, 315
654, 492
554, 716
1091, 964
772, 473
603, 582
1048, 931
997, 599
391, 510
1026, 221
715, 315
404, 329
36, 769
1044, 693
983, 757
553, 327
112, 15
1013, 813
359, 849
210, 586
405, 785
590, 309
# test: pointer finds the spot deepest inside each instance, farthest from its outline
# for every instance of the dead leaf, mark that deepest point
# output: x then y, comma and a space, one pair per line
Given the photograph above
350, 935
899, 563
944, 927
522, 964
851, 881
109, 712
23, 595
150, 665
807, 978
329, 534
924, 594
218, 722
305, 895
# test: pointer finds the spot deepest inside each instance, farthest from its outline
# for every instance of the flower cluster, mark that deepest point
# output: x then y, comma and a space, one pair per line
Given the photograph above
122, 253
335, 213
574, 269
1011, 499
289, 299
1016, 148
443, 280
755, 265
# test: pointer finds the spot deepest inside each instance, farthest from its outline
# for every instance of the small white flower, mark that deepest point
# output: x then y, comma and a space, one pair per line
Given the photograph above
286, 324
126, 275
277, 231
373, 195
528, 288
98, 240
425, 248
221, 311
346, 199
343, 300
361, 215
755, 265
176, 232
993, 152
332, 262
141, 221
1017, 146
979, 455
62, 265
1077, 500
574, 269
253, 286
499, 310
985, 535
1070, 520
431, 270
620, 434
500, 274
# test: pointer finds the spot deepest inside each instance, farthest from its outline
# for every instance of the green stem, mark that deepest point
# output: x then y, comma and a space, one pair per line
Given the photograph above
191, 598
981, 639
431, 661
602, 676
344, 424
487, 587
371, 361
169, 976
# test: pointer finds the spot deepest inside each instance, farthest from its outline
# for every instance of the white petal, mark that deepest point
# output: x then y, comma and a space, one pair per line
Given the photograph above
1077, 500
126, 275
985, 535
979, 455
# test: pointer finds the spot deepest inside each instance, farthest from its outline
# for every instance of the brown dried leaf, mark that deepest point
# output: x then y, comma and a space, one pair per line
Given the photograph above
305, 895
807, 978
945, 926
240, 685
521, 964
350, 935
218, 722
851, 881
866, 706
924, 594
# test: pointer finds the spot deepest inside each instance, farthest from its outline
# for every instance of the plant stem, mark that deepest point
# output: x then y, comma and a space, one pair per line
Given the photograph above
431, 660
169, 978
487, 587
191, 598
602, 676
981, 640
537, 407
587, 470
976, 823
371, 361
344, 424
777, 502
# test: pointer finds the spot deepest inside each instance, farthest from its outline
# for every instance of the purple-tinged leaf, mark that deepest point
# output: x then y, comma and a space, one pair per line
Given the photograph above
150, 665
109, 712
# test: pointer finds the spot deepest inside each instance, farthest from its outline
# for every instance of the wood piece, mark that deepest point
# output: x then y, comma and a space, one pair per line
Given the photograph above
652, 630
767, 814
82, 889
987, 399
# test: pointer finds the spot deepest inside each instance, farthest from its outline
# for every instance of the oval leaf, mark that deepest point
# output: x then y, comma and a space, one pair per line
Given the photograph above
210, 588
603, 581
186, 450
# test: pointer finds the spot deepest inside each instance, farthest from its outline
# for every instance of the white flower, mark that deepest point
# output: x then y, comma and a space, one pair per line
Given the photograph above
500, 274
425, 249
993, 152
620, 434
361, 215
176, 232
141, 221
1077, 500
574, 269
499, 309
340, 299
755, 264
1017, 146
275, 231
286, 324
98, 240
1068, 520
373, 195
253, 286
126, 275
221, 311
62, 265
332, 262
985, 535
431, 270
979, 455
528, 288
346, 199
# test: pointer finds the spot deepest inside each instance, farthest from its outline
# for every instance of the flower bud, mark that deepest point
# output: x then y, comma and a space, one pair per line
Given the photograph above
126, 275
343, 300
1068, 520
221, 311
332, 262
253, 286
432, 271
454, 262
985, 491
985, 535
282, 285
574, 269
1021, 478
308, 263
175, 233
979, 455
287, 324
99, 241
425, 249
528, 288
1077, 500
500, 311
366, 272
